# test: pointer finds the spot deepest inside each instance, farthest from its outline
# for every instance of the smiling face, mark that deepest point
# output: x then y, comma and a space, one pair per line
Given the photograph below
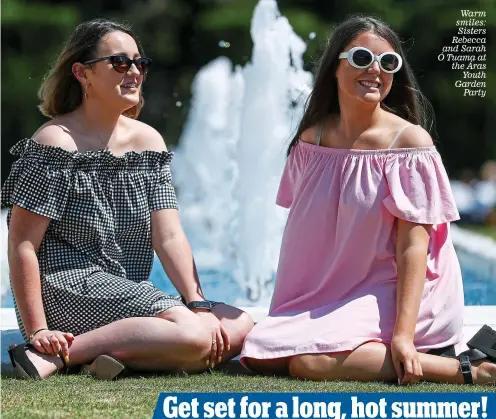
120, 90
368, 85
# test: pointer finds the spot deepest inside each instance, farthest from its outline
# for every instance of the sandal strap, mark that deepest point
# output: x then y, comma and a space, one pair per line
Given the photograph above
474, 355
19, 358
466, 369
485, 341
17, 354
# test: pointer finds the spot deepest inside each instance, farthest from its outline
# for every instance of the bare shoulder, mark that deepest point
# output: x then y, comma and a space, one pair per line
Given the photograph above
145, 137
310, 135
55, 134
414, 136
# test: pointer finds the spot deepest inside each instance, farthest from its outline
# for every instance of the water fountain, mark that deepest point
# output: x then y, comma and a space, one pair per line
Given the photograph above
232, 152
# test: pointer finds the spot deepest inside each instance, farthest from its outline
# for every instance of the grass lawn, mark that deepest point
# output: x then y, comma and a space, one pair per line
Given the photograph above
79, 396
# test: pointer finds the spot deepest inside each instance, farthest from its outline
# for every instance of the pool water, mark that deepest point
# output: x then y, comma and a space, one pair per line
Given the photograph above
479, 280
221, 286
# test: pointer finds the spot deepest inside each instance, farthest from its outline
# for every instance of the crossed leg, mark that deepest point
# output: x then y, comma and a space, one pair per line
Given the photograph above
236, 322
370, 362
175, 340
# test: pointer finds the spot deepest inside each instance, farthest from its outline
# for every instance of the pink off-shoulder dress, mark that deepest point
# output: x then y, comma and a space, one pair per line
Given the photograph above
337, 276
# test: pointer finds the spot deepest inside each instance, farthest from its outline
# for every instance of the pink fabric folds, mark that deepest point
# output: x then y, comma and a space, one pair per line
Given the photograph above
419, 188
336, 280
291, 176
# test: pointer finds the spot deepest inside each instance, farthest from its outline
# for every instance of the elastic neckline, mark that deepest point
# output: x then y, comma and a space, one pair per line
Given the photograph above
59, 158
357, 151
31, 142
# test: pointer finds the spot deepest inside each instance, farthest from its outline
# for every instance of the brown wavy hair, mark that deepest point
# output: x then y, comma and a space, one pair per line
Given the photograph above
61, 92
404, 99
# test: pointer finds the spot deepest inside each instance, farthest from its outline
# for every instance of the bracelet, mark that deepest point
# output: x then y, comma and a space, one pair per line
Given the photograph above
31, 336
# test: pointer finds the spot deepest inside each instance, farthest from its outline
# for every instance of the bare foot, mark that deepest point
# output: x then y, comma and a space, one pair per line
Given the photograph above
45, 364
486, 373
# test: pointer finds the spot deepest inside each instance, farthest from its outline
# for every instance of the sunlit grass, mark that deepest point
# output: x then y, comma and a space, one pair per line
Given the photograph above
79, 396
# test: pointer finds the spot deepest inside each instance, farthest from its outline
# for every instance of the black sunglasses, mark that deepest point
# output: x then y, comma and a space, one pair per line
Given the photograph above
122, 64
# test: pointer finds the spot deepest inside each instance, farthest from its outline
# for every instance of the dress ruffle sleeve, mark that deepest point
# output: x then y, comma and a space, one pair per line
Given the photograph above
419, 188
37, 181
162, 193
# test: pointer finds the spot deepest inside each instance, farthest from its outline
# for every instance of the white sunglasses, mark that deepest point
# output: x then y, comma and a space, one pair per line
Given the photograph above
361, 57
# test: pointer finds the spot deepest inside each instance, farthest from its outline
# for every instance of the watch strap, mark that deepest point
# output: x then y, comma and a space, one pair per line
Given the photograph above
205, 305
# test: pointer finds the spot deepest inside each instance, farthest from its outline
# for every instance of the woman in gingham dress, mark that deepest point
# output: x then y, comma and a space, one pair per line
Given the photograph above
91, 199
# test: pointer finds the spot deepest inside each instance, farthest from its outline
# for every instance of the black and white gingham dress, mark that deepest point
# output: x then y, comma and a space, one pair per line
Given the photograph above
96, 255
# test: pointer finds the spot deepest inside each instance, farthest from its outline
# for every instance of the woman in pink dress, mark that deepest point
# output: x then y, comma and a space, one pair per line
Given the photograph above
368, 285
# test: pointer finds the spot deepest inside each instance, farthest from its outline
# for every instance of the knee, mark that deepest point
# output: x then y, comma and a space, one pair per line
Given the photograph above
237, 323
312, 367
244, 325
239, 331
195, 342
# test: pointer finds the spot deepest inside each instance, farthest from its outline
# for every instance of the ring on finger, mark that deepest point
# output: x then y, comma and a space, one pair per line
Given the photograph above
214, 342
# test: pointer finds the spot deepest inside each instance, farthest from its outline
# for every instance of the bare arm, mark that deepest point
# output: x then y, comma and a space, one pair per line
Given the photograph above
412, 245
25, 235
173, 250
26, 232
411, 258
168, 238
172, 247
411, 252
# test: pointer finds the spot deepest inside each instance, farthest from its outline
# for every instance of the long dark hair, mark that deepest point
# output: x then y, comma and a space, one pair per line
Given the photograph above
404, 98
60, 91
